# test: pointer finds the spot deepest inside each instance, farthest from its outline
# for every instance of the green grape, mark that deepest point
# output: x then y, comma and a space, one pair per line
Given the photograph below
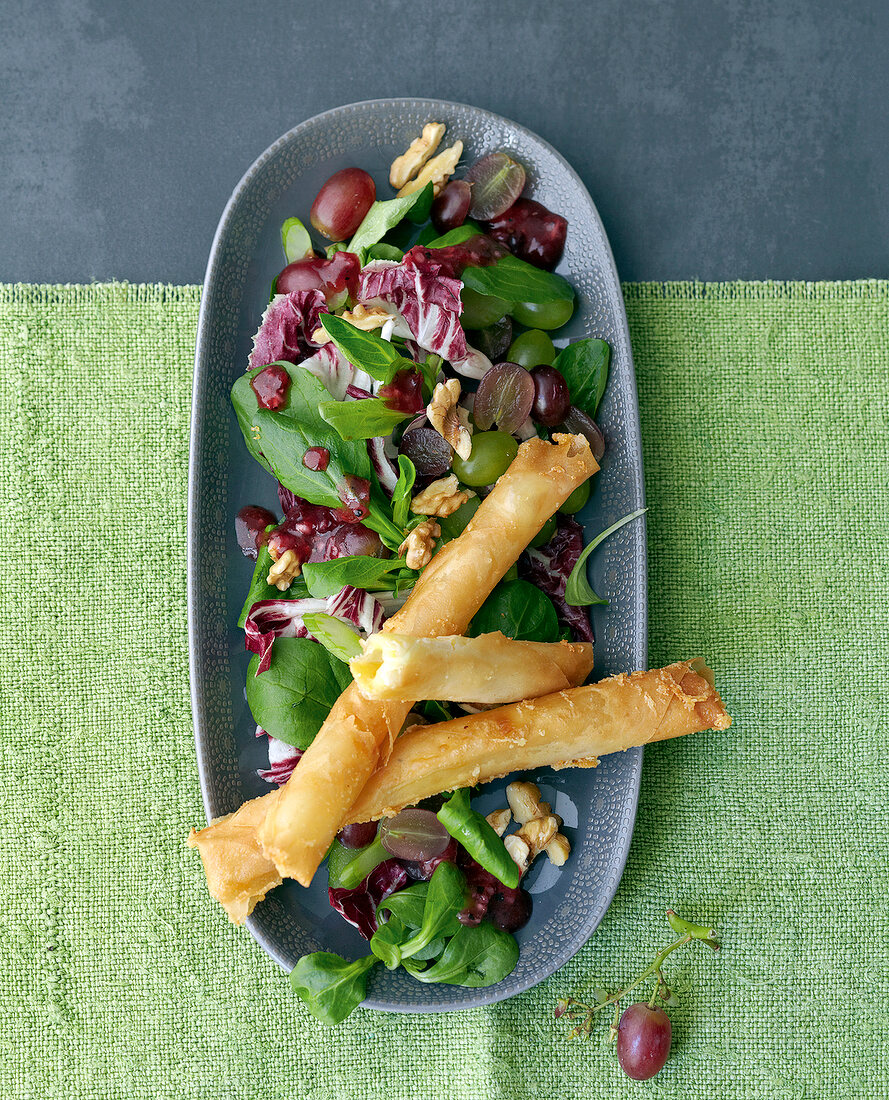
546, 532
491, 454
455, 524
532, 349
548, 315
481, 310
577, 499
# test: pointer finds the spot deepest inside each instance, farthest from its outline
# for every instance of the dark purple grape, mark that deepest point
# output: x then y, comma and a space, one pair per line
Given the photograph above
494, 340
578, 423
552, 400
414, 834
497, 181
643, 1041
341, 204
504, 397
250, 525
451, 208
429, 452
510, 910
531, 232
357, 836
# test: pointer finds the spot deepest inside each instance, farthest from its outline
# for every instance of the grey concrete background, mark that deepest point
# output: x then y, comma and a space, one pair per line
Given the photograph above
722, 139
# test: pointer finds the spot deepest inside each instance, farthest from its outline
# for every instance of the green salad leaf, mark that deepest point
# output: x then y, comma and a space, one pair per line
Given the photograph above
329, 986
469, 828
474, 957
294, 696
514, 280
278, 439
384, 216
584, 366
578, 592
459, 235
401, 494
519, 610
326, 578
362, 419
366, 350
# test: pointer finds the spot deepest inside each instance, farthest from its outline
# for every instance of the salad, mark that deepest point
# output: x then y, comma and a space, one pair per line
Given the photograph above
432, 446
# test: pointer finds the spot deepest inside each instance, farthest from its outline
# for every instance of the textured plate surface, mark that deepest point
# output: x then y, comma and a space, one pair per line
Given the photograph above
597, 805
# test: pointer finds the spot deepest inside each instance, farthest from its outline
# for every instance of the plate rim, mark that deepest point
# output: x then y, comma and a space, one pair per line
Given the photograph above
640, 612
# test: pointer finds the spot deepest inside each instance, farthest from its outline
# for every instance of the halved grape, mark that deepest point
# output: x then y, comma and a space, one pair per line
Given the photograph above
533, 348
504, 397
451, 208
414, 834
493, 340
578, 423
491, 455
497, 181
551, 397
480, 310
357, 836
341, 204
429, 452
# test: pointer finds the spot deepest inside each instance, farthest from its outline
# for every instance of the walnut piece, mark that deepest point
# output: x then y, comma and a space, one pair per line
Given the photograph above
445, 416
538, 832
441, 498
418, 152
539, 825
361, 317
437, 171
419, 544
499, 821
284, 570
524, 801
558, 850
520, 852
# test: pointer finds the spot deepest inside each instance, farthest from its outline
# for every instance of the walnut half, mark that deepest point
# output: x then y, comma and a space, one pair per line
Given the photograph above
441, 498
449, 420
418, 152
419, 544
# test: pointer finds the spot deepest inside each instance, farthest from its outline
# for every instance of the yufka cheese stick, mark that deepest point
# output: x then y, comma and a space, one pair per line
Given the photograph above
358, 733
487, 669
567, 729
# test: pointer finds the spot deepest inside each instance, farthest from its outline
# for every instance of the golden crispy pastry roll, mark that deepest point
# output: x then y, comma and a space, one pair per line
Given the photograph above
358, 734
238, 872
567, 729
487, 669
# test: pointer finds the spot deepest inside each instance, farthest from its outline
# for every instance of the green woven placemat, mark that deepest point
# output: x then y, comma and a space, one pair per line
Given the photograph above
765, 419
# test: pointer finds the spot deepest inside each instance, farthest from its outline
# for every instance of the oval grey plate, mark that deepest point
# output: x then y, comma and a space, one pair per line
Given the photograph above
598, 805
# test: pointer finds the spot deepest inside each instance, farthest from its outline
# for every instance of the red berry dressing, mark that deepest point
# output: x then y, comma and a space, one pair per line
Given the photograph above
405, 392
355, 495
316, 458
531, 232
316, 533
271, 387
250, 525
479, 251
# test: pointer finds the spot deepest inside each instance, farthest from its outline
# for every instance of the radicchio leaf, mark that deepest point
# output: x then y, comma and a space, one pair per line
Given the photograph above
359, 906
283, 758
285, 332
549, 568
426, 306
335, 372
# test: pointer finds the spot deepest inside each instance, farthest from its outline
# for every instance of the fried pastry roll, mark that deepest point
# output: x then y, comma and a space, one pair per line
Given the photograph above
567, 729
359, 732
487, 669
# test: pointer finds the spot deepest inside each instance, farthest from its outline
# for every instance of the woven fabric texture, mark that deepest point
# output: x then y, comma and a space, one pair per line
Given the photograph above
765, 411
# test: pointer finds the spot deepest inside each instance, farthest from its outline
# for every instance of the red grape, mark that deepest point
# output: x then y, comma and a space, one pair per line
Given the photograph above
451, 208
414, 834
531, 232
643, 1041
504, 397
358, 835
429, 452
578, 423
497, 181
551, 397
494, 340
342, 203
